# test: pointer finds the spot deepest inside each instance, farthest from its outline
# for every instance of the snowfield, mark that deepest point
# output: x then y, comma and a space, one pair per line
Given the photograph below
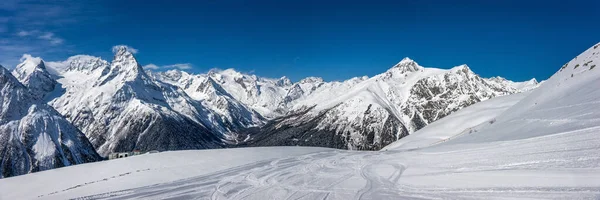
137, 171
540, 145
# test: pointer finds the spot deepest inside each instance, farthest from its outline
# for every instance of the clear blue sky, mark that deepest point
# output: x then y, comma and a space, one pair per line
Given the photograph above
332, 39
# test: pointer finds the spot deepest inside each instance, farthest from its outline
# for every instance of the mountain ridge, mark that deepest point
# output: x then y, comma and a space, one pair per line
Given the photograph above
226, 106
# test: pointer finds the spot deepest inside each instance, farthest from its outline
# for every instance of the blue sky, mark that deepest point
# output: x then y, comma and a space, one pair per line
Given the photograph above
335, 40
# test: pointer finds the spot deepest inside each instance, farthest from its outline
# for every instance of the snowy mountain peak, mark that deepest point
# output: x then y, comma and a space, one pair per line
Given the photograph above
29, 65
498, 79
312, 79
519, 86
406, 60
85, 63
124, 67
121, 50
175, 75
407, 65
284, 81
33, 74
533, 80
462, 69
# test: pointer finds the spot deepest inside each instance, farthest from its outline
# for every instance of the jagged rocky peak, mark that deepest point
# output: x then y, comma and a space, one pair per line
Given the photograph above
533, 81
519, 86
284, 81
85, 63
124, 57
222, 76
498, 79
124, 67
407, 65
28, 66
175, 75
312, 79
209, 85
462, 69
33, 74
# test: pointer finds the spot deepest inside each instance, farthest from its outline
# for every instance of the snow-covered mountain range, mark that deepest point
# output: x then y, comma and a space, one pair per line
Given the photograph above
34, 136
541, 144
369, 113
120, 106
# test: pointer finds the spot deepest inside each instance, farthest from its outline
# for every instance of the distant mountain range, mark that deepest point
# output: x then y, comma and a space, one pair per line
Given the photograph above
119, 106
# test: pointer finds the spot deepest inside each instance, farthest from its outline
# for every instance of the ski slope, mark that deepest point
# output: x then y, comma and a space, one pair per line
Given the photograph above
560, 166
143, 170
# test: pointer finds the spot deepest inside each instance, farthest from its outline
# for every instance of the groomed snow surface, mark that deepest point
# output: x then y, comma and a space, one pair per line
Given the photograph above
540, 145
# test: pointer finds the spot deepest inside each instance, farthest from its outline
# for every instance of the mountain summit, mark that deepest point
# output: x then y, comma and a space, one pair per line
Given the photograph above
33, 74
407, 65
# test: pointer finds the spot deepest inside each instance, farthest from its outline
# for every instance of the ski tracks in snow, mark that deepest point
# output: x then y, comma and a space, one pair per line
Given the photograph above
325, 175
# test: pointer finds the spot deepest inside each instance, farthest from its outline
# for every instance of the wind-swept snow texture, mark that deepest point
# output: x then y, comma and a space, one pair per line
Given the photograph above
543, 147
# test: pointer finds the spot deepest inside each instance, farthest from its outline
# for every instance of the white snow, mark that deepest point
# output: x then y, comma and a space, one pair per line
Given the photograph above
463, 121
537, 145
545, 146
137, 171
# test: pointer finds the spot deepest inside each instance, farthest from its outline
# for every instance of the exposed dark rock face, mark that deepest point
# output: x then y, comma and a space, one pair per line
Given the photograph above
303, 129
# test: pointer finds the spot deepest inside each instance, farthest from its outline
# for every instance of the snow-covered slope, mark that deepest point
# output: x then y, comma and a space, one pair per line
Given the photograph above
137, 171
120, 108
33, 136
370, 113
464, 121
544, 147
567, 101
